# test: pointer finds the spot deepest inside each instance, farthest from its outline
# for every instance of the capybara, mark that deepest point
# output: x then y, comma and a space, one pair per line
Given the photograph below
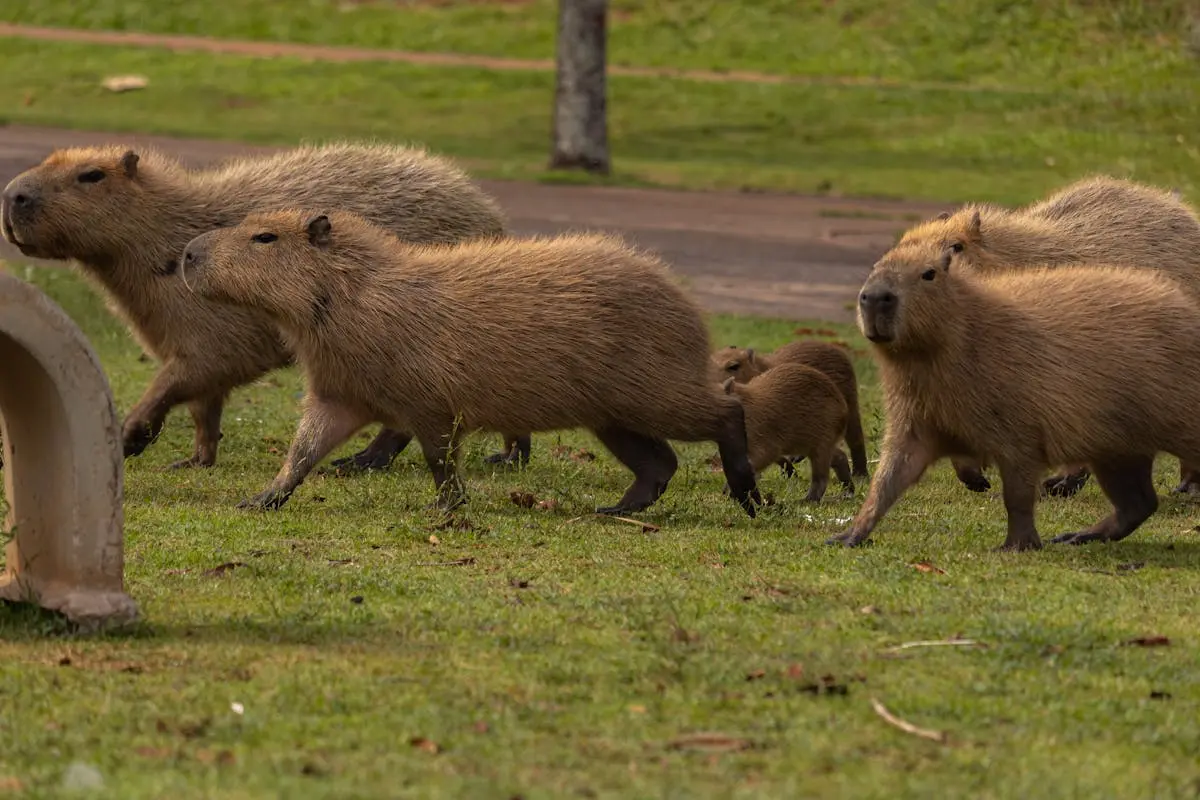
1098, 220
1029, 369
792, 410
125, 217
425, 338
833, 361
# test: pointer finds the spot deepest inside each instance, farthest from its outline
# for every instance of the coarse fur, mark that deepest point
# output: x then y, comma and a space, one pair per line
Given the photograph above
744, 364
426, 339
125, 217
1032, 368
792, 409
1097, 220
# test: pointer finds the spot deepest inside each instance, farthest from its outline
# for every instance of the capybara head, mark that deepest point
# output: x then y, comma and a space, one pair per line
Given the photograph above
900, 303
735, 362
78, 203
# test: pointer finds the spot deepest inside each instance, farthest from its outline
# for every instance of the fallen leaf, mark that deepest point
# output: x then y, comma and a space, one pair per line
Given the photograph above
803, 331
547, 505
795, 671
11, 784
709, 741
481, 727
27, 99
583, 455
756, 675
925, 566
124, 83
559, 451
1149, 641
221, 569
826, 332
523, 499
637, 709
427, 745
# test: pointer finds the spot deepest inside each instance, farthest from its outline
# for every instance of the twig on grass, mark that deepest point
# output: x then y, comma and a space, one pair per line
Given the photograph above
907, 727
458, 562
645, 526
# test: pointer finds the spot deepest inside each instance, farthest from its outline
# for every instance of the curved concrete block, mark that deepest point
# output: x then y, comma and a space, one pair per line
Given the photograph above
63, 465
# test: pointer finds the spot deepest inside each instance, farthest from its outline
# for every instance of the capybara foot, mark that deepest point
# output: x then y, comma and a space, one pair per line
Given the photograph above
1188, 487
269, 500
188, 463
849, 539
612, 511
974, 480
1019, 546
1080, 537
361, 462
514, 458
137, 437
1067, 485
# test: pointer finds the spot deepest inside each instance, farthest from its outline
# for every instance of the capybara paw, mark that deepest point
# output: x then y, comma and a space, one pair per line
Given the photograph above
1061, 486
975, 482
848, 539
512, 459
136, 438
188, 463
1078, 537
267, 501
1019, 545
1187, 487
360, 462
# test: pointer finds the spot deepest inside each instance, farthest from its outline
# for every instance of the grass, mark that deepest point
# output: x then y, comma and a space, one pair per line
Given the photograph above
570, 656
938, 144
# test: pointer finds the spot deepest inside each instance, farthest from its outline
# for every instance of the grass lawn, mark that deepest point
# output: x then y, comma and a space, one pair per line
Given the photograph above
533, 653
937, 144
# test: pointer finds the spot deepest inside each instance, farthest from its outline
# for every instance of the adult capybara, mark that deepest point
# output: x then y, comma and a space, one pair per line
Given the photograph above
795, 410
1029, 369
833, 361
426, 338
1098, 220
125, 217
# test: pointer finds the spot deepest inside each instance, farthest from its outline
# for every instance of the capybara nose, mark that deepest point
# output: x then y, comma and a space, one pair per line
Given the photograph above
189, 258
18, 200
878, 299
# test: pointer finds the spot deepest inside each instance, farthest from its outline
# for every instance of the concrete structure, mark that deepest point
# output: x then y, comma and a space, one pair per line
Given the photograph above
63, 465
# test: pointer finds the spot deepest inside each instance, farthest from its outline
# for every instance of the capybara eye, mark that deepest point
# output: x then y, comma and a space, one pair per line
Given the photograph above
732, 366
92, 176
957, 247
929, 274
264, 238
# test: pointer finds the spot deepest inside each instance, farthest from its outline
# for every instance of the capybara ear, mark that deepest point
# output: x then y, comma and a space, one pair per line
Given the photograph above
750, 354
942, 217
728, 386
974, 229
319, 229
129, 163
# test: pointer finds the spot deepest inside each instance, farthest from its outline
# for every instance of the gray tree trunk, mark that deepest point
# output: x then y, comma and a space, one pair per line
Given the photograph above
580, 116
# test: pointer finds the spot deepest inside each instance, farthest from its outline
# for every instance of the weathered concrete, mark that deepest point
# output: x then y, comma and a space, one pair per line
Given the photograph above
63, 465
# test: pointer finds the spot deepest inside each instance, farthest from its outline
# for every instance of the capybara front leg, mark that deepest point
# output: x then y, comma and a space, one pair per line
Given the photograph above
206, 416
1189, 479
377, 455
652, 462
1020, 497
325, 425
820, 462
1066, 484
144, 423
735, 460
970, 474
902, 463
1129, 484
441, 456
856, 442
517, 449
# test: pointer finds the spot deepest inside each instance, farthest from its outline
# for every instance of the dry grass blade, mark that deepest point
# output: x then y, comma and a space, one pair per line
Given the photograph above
709, 741
458, 562
907, 727
936, 643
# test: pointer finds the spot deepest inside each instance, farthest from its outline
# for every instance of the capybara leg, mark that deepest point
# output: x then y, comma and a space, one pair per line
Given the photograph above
787, 465
441, 456
324, 426
652, 462
970, 474
377, 455
1129, 484
517, 449
169, 388
735, 460
1020, 497
1189, 479
902, 463
1066, 484
206, 415
821, 463
841, 468
856, 442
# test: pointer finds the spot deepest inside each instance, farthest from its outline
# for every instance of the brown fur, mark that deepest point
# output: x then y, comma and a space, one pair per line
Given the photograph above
1096, 220
428, 339
1032, 368
127, 221
833, 361
795, 410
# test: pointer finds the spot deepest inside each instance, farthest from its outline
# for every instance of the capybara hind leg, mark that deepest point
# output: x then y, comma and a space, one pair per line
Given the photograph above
206, 415
1020, 497
652, 462
970, 474
902, 463
1129, 484
324, 426
170, 387
441, 456
821, 463
377, 455
841, 468
1066, 484
517, 450
735, 460
856, 442
1189, 479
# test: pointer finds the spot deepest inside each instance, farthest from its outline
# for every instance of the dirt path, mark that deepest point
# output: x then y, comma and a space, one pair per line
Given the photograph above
773, 255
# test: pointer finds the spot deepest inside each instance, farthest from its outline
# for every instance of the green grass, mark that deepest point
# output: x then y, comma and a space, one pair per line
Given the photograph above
901, 142
1029, 43
569, 654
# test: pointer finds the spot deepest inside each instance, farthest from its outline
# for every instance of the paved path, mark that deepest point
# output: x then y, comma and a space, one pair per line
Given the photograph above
774, 255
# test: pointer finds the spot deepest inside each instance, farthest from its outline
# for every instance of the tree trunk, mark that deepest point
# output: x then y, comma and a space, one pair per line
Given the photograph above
580, 117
